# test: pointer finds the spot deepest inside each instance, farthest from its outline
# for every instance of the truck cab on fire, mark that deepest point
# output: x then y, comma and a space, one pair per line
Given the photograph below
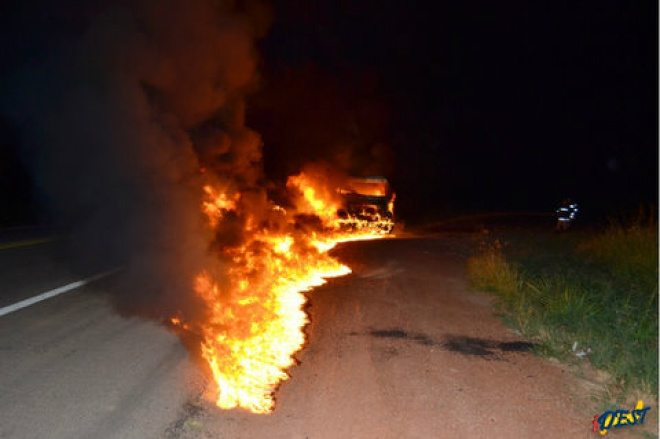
367, 203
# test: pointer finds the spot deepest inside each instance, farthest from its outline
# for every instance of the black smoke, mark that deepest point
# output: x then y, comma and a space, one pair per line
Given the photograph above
118, 106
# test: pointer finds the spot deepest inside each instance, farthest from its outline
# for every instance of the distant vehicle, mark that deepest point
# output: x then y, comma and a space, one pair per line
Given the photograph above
367, 203
566, 214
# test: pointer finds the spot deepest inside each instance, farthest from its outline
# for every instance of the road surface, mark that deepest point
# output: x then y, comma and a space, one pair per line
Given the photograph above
398, 349
73, 368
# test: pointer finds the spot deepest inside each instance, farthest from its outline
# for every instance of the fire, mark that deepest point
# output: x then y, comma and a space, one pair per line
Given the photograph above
317, 199
255, 303
217, 205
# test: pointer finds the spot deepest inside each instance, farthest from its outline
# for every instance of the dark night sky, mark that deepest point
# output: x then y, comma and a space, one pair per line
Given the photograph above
465, 106
491, 106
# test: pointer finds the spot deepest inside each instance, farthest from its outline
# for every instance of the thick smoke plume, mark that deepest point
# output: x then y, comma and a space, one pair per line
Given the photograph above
344, 121
125, 110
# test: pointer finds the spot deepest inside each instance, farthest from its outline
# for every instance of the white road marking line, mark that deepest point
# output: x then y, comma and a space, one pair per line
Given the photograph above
55, 292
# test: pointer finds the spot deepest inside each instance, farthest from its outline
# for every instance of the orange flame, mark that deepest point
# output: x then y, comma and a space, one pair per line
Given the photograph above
217, 205
317, 199
255, 319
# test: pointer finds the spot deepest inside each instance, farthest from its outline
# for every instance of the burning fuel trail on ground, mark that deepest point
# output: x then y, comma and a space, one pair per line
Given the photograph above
255, 319
132, 122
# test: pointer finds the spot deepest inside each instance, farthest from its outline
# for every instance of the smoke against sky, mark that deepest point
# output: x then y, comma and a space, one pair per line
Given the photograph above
307, 114
117, 106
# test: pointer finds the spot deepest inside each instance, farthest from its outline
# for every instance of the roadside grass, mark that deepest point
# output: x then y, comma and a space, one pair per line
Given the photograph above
581, 296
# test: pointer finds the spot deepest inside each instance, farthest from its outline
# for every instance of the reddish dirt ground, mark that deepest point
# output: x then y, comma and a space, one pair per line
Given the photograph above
402, 349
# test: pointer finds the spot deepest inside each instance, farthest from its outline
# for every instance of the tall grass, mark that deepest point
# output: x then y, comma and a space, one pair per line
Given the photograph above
629, 250
600, 291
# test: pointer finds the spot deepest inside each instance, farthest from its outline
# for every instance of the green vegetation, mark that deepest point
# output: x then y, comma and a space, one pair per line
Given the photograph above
599, 289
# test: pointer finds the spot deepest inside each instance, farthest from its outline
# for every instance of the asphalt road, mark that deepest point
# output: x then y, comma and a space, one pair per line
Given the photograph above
73, 368
398, 349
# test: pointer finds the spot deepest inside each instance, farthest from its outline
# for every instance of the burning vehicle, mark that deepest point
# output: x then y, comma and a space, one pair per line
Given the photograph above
367, 203
255, 297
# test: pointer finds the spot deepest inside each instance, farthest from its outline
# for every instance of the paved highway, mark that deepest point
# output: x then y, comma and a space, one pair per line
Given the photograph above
72, 367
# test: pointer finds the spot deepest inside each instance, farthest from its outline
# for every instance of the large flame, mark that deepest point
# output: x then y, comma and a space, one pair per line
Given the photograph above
316, 198
255, 303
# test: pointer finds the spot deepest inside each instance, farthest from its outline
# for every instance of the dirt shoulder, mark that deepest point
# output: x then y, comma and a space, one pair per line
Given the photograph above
402, 349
